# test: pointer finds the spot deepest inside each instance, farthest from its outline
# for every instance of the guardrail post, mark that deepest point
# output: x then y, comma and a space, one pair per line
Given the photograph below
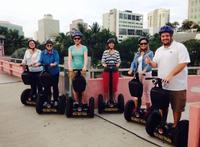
194, 126
198, 71
1, 63
10, 69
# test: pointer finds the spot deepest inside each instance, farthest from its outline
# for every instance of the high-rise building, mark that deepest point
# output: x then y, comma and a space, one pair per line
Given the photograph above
74, 25
156, 19
194, 11
48, 28
11, 26
123, 23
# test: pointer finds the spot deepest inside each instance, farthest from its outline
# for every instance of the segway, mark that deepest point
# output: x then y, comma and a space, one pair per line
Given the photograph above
157, 125
111, 106
133, 112
26, 97
45, 103
77, 108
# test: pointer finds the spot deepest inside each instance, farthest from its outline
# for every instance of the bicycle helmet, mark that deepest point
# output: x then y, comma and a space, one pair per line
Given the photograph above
166, 29
77, 33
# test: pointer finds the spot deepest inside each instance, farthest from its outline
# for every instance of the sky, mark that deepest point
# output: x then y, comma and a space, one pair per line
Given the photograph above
27, 13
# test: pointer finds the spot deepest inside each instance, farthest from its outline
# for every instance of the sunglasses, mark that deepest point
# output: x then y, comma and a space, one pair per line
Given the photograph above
49, 45
143, 43
77, 38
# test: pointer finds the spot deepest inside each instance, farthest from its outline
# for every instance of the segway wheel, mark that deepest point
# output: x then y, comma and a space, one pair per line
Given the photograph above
39, 103
121, 103
181, 134
100, 104
152, 122
69, 107
128, 110
25, 95
62, 104
91, 107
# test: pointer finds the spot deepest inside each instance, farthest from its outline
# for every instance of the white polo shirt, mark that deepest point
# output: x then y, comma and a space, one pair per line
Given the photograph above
167, 59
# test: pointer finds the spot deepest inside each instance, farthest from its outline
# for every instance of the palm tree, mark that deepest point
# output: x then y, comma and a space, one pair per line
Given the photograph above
187, 25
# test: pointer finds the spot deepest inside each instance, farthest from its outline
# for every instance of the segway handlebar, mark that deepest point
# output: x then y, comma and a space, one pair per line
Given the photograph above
111, 67
78, 70
155, 80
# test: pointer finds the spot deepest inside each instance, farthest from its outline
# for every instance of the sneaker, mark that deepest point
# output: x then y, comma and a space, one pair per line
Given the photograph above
55, 103
45, 104
85, 106
160, 130
75, 104
137, 114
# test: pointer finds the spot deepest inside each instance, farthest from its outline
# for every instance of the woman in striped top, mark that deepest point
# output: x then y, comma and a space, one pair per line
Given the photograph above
110, 57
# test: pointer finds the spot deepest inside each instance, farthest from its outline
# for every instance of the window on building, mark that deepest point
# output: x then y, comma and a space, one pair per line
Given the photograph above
129, 17
138, 32
125, 16
133, 17
122, 32
131, 31
120, 16
137, 18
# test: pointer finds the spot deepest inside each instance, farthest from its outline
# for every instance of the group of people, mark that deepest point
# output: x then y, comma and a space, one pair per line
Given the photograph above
170, 59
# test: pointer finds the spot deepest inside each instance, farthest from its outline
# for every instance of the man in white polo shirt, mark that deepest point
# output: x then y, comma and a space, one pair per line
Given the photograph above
171, 59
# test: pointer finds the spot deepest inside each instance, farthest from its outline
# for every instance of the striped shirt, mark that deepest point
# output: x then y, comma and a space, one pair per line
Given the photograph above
110, 59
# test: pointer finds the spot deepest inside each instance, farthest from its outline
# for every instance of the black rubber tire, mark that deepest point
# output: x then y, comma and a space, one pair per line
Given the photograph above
130, 105
69, 107
100, 104
121, 103
91, 107
25, 95
181, 134
39, 103
152, 122
62, 104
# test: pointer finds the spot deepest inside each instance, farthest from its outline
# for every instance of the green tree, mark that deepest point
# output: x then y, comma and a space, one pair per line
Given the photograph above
13, 40
187, 25
193, 47
154, 42
127, 50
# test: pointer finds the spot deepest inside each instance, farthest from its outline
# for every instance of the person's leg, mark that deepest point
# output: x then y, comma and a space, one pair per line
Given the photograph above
147, 85
33, 84
177, 117
38, 84
55, 80
105, 76
115, 82
84, 99
178, 105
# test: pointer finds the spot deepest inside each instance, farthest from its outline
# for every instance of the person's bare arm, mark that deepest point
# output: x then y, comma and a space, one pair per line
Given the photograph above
85, 61
69, 60
150, 62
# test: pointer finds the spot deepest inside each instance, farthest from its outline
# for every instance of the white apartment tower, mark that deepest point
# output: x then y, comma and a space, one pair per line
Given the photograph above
194, 11
123, 23
156, 19
48, 28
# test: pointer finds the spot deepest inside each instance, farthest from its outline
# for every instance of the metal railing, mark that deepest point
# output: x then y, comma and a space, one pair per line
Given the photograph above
94, 71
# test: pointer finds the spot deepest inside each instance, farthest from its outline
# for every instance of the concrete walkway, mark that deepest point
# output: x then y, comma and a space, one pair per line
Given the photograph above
21, 126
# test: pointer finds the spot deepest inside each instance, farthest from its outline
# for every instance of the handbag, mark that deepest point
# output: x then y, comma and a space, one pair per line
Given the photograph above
159, 96
135, 86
